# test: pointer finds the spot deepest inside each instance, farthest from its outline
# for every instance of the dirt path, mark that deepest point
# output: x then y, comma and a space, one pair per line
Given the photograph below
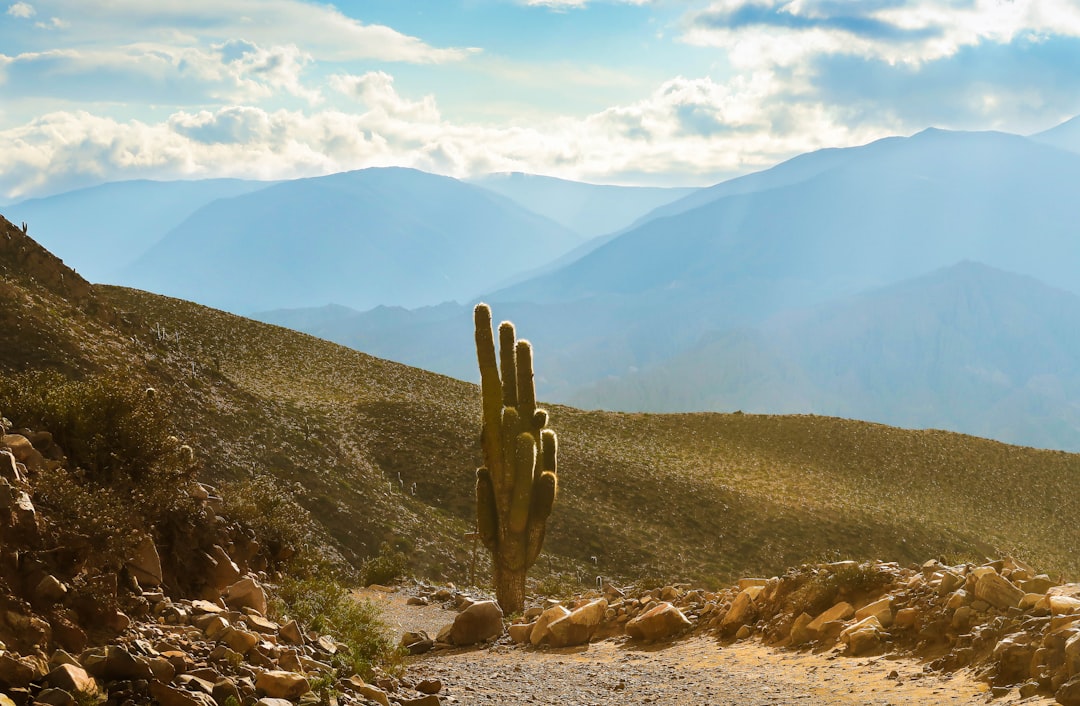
695, 670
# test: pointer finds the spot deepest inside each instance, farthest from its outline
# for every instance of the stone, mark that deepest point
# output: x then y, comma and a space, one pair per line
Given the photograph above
15, 672
480, 621
267, 701
120, 664
1013, 656
520, 632
1064, 605
949, 583
290, 632
199, 607
371, 692
429, 686
215, 626
862, 637
579, 626
742, 610
261, 624
906, 618
957, 598
167, 695
223, 571
427, 700
998, 591
1072, 655
1069, 693
224, 689
23, 451
1040, 584
800, 632
246, 593
743, 632
54, 697
540, 630
240, 641
282, 685
9, 469
840, 611
73, 680
145, 564
417, 642
660, 622
880, 609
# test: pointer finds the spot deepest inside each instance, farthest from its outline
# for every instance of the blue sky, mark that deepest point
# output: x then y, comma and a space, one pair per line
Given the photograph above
608, 91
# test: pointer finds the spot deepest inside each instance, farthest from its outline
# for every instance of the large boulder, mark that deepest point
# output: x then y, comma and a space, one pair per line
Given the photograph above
577, 627
840, 611
658, 623
862, 637
246, 593
541, 630
23, 451
279, 684
480, 621
145, 563
998, 591
743, 609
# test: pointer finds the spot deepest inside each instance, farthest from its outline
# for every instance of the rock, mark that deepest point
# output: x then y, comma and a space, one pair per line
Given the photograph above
520, 632
224, 689
998, 591
906, 618
800, 632
282, 685
53, 697
118, 663
23, 451
246, 593
267, 701
166, 695
417, 642
840, 611
743, 632
290, 632
1069, 693
1013, 657
261, 625
9, 469
579, 626
1040, 584
223, 571
880, 609
215, 626
540, 630
370, 692
480, 621
1072, 656
428, 700
742, 610
949, 583
73, 680
145, 564
240, 641
863, 637
660, 622
429, 686
1064, 605
15, 672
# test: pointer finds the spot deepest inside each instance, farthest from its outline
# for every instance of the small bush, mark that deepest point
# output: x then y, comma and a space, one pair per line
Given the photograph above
821, 590
327, 607
385, 568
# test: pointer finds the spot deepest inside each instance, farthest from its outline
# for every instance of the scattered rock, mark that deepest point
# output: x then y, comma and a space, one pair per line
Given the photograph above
480, 621
577, 627
660, 622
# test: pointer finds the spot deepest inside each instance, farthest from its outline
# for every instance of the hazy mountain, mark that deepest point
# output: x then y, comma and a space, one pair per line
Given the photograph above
968, 348
100, 229
1065, 136
357, 239
589, 209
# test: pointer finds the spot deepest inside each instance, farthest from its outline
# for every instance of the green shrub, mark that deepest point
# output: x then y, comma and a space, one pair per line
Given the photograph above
821, 590
327, 607
387, 567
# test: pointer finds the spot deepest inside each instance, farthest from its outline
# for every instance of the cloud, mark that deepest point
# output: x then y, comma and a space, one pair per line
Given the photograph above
318, 29
563, 5
22, 10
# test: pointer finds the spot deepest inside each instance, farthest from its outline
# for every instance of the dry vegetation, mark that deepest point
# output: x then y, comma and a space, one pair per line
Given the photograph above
701, 497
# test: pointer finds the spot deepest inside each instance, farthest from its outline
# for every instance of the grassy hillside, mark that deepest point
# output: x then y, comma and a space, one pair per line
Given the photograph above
705, 497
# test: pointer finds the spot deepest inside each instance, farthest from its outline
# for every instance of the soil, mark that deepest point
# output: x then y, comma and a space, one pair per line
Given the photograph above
693, 670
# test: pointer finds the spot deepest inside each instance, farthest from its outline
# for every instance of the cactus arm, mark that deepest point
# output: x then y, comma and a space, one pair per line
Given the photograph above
487, 517
524, 465
526, 388
508, 362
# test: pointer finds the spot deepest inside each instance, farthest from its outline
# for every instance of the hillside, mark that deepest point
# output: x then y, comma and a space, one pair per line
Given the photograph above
357, 239
968, 348
706, 497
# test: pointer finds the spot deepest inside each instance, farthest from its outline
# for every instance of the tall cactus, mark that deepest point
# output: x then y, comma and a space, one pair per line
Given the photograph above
515, 488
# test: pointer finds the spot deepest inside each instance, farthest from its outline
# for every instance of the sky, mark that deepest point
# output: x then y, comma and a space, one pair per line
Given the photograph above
656, 92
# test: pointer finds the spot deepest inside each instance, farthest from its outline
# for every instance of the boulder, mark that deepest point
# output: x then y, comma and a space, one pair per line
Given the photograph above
998, 591
800, 632
145, 564
73, 680
540, 631
9, 468
579, 626
880, 609
246, 593
240, 641
742, 610
282, 685
290, 632
863, 637
660, 622
223, 571
116, 663
840, 611
23, 451
166, 695
1069, 693
520, 632
480, 621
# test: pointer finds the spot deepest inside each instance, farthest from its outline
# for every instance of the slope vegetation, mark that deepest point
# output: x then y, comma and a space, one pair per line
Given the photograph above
704, 497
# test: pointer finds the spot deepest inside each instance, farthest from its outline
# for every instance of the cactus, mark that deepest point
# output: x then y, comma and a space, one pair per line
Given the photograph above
516, 487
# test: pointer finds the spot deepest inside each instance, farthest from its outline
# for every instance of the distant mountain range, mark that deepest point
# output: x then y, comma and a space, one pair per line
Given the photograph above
695, 280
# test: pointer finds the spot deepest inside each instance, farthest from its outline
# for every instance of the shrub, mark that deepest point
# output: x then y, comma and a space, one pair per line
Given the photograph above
327, 607
387, 567
821, 590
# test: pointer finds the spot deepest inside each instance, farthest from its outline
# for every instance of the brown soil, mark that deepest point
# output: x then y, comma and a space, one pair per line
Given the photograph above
694, 670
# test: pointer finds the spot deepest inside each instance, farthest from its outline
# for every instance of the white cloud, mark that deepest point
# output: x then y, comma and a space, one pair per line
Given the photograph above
23, 10
562, 5
318, 29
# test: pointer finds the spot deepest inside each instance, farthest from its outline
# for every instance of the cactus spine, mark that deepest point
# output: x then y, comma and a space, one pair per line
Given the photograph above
516, 487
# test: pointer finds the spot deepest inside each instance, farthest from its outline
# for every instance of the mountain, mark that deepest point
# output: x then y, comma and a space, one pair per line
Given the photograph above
588, 209
358, 239
968, 348
100, 229
708, 497
1065, 136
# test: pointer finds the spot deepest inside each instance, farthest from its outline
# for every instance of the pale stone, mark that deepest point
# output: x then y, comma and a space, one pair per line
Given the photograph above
290, 632
282, 685
23, 451
239, 640
74, 680
540, 631
658, 623
906, 618
579, 626
1064, 605
145, 565
747, 583
520, 632
881, 609
246, 593
840, 611
742, 610
998, 591
800, 632
863, 636
480, 621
